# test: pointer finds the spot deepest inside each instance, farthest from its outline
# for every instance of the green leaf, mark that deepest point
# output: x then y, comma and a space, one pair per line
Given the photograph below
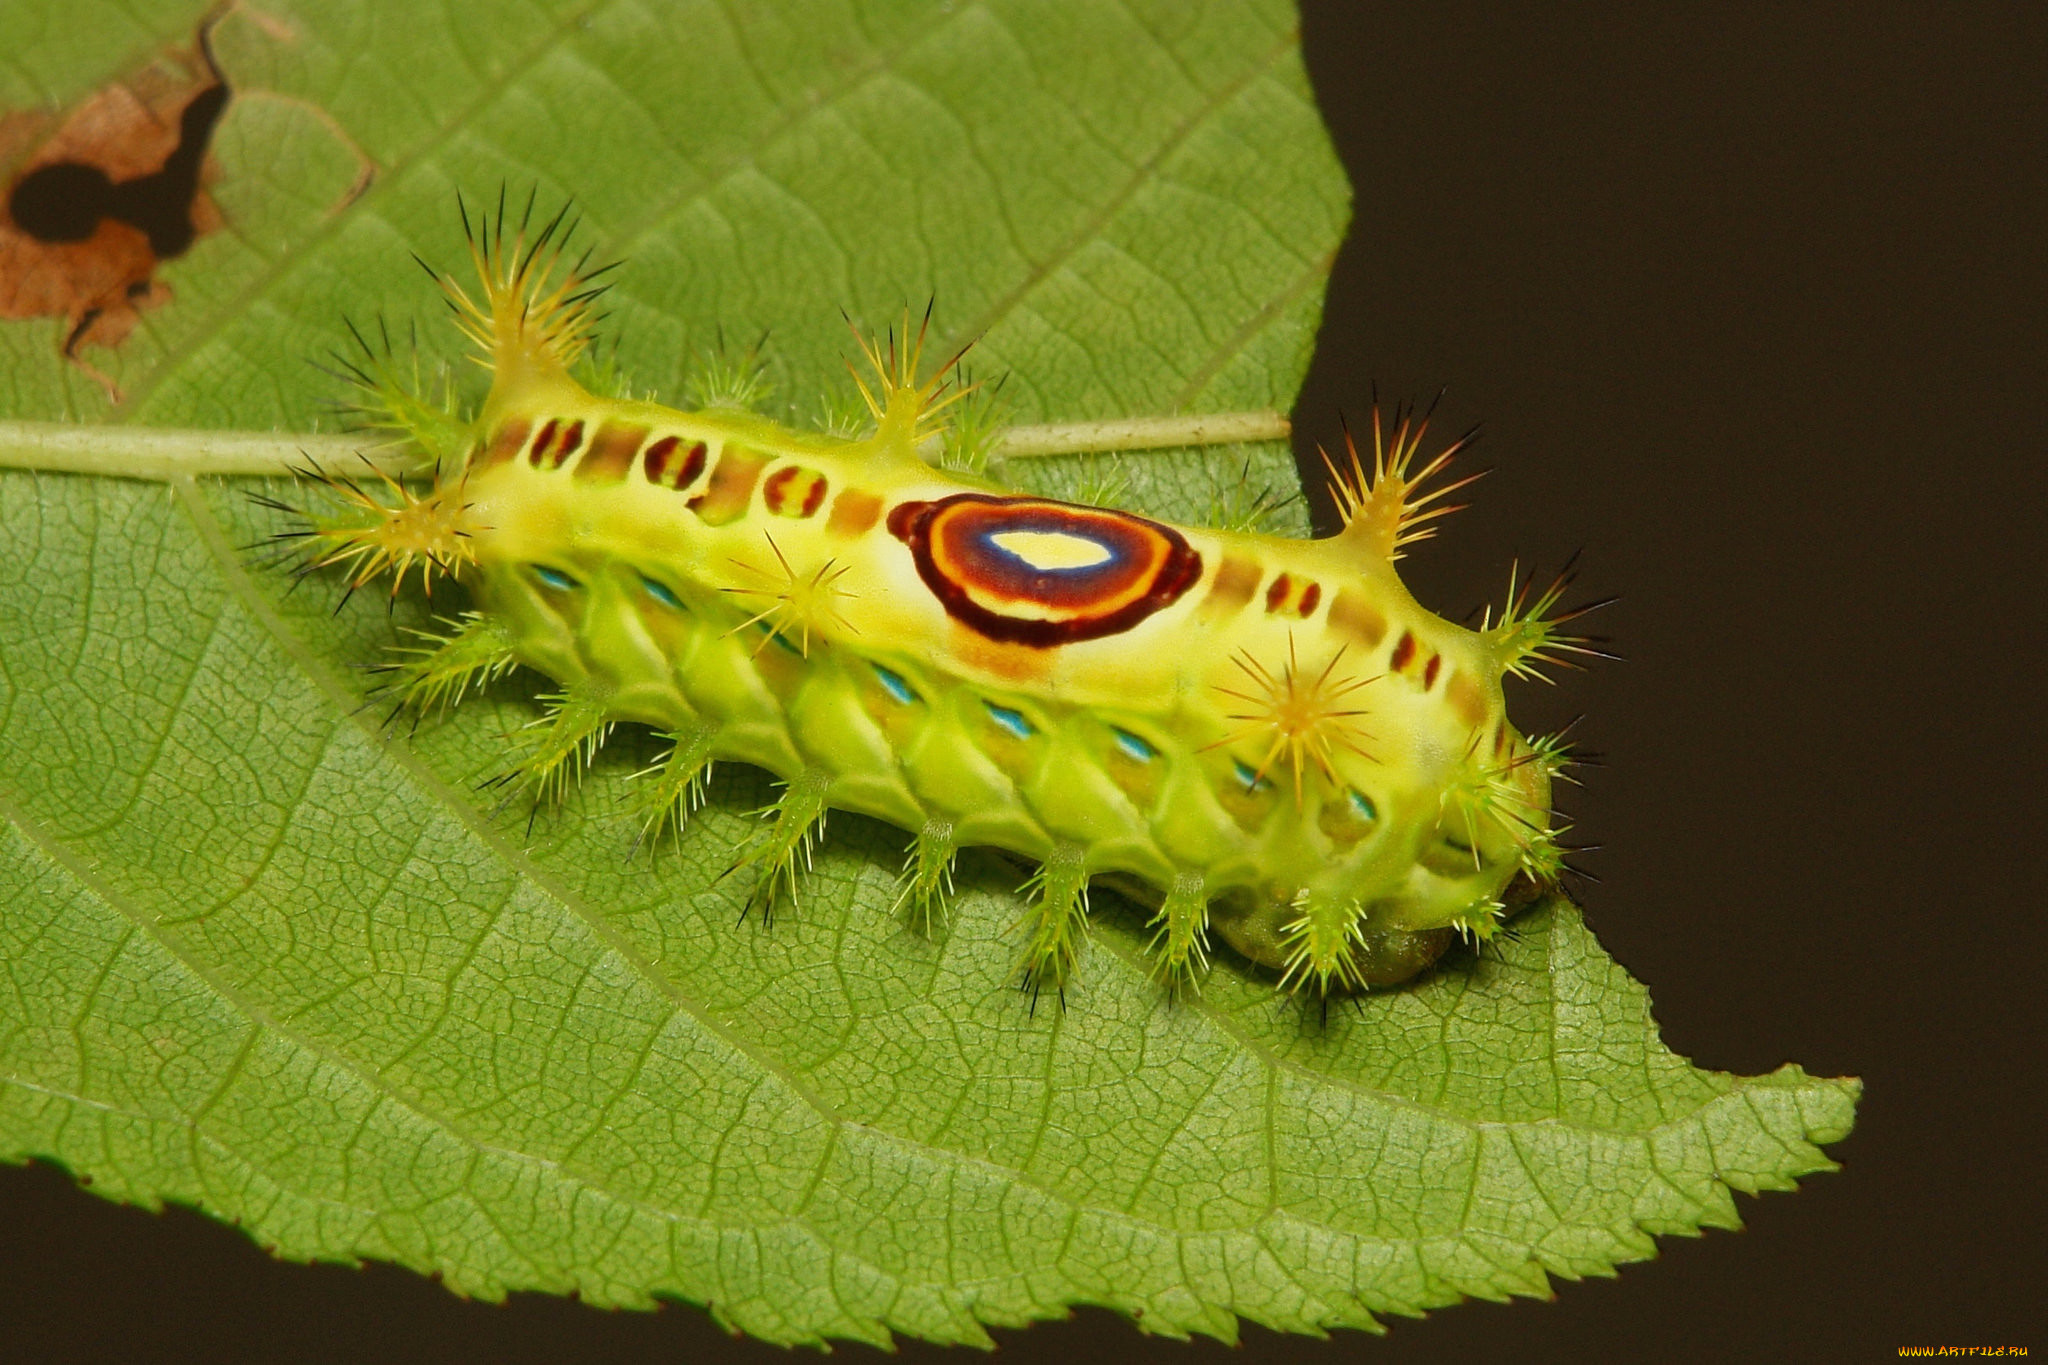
261, 956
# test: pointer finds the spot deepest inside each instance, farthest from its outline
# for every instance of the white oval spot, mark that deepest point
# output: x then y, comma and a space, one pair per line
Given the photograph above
1052, 549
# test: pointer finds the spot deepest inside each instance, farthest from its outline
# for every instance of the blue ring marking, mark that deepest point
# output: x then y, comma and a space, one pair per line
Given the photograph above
1133, 745
1013, 721
1249, 775
893, 682
1362, 804
662, 593
555, 578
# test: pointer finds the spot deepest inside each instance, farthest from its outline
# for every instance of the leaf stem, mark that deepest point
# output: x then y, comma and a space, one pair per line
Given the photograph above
1143, 433
158, 453
123, 452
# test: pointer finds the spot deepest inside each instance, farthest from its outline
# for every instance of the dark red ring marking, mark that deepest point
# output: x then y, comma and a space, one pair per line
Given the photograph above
1005, 597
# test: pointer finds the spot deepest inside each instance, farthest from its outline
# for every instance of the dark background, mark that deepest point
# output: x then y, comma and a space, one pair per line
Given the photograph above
1749, 299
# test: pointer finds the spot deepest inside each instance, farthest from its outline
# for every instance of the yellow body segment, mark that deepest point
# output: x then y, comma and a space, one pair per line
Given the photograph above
1263, 736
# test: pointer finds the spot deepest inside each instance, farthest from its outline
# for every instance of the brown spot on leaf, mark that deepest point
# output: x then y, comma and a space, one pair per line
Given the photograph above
92, 207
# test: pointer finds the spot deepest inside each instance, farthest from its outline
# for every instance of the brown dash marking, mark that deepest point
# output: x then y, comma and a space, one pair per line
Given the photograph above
1429, 671
612, 448
505, 443
1235, 582
1358, 618
1283, 586
731, 488
1310, 595
853, 511
1404, 650
1466, 698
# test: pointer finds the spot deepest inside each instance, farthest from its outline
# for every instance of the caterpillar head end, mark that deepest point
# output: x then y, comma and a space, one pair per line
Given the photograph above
1444, 866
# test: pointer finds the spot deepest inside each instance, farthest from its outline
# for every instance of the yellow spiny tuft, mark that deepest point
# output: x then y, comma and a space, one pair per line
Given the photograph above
1302, 721
367, 536
527, 318
798, 604
1555, 755
900, 405
1385, 512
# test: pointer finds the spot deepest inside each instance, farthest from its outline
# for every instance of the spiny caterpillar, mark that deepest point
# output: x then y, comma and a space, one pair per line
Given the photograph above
1261, 737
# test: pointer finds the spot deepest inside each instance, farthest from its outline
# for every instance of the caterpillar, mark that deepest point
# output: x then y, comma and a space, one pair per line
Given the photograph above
1265, 740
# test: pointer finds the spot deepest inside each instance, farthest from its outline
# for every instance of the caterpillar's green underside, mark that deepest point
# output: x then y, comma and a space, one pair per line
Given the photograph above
1262, 737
